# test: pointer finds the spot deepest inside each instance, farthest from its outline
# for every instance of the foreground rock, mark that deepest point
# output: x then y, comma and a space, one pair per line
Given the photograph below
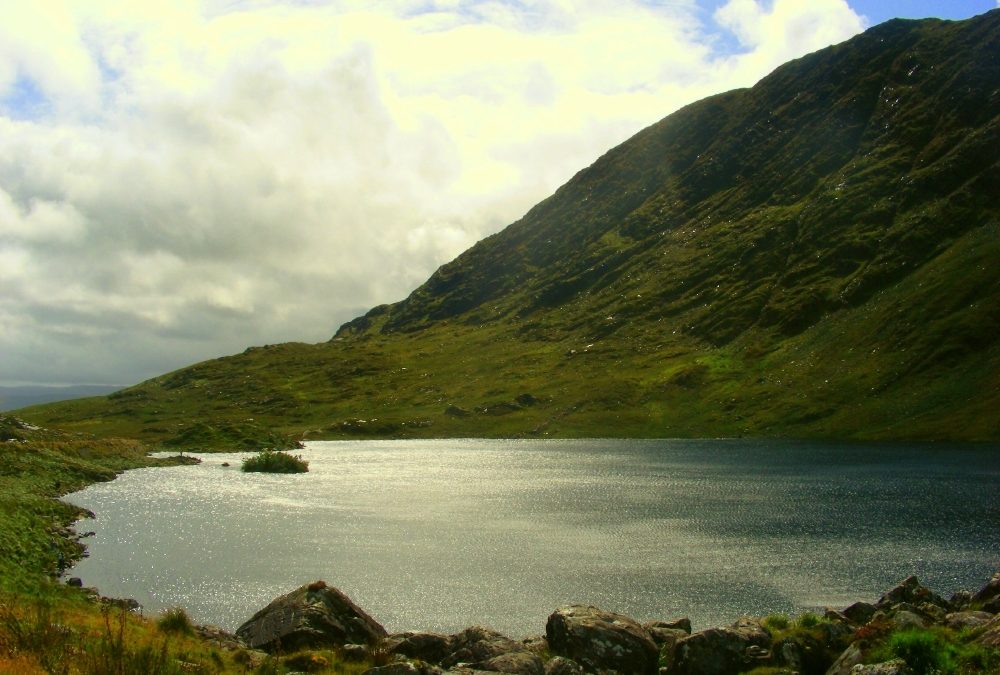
723, 651
311, 616
599, 640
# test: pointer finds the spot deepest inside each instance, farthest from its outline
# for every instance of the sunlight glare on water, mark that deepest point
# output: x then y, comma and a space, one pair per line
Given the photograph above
444, 534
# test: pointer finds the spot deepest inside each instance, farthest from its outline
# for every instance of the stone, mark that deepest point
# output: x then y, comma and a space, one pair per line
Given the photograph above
967, 619
219, 638
354, 652
76, 582
519, 663
560, 665
894, 667
860, 613
722, 651
311, 616
988, 597
601, 640
401, 668
906, 619
960, 600
910, 591
682, 623
430, 647
849, 658
991, 635
478, 645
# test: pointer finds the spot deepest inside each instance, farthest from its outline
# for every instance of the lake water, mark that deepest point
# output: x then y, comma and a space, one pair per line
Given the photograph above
441, 535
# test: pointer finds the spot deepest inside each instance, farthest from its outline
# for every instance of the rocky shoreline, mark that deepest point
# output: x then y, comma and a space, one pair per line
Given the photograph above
585, 639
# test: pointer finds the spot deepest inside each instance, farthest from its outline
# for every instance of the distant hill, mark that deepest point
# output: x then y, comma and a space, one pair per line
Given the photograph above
816, 256
12, 398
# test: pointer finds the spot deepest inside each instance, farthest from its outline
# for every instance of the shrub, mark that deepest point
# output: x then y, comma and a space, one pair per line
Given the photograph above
175, 620
275, 461
809, 620
924, 651
776, 622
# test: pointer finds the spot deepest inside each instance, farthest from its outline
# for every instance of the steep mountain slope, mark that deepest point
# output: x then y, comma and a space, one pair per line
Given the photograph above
817, 255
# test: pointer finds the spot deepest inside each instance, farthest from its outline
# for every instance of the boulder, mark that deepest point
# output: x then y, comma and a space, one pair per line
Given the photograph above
560, 665
600, 640
960, 600
988, 597
430, 647
723, 651
311, 616
218, 637
910, 591
991, 635
682, 623
519, 663
478, 645
967, 619
860, 613
846, 661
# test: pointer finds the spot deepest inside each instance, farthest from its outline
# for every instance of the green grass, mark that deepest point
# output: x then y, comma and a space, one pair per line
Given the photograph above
273, 461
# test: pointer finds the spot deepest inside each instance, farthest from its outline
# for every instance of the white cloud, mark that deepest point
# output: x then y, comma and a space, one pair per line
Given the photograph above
206, 176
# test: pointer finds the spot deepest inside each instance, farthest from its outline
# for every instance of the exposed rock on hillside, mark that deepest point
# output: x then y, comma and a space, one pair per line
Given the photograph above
310, 616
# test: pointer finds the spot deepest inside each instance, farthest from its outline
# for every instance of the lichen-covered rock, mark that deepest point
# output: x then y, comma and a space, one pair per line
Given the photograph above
219, 638
519, 663
846, 661
560, 665
894, 667
430, 647
967, 619
478, 645
991, 635
723, 651
315, 615
600, 640
988, 597
682, 623
912, 592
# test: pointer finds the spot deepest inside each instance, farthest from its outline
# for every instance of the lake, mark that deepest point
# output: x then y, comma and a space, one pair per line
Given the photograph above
444, 534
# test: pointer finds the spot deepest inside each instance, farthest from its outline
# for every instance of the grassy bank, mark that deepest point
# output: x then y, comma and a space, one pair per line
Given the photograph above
49, 627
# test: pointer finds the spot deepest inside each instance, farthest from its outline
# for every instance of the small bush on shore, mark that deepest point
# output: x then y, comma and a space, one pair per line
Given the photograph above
175, 620
275, 461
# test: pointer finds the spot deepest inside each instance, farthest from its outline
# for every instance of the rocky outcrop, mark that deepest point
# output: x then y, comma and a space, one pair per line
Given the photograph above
988, 597
600, 640
583, 639
911, 592
311, 616
723, 651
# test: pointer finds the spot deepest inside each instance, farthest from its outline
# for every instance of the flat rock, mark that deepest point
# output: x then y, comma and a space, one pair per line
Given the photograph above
519, 663
991, 636
560, 665
311, 616
601, 641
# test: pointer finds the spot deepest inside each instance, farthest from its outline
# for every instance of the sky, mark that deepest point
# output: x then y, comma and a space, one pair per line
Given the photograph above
182, 179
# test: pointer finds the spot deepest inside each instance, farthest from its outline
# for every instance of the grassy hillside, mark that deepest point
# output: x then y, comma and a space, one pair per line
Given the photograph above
815, 256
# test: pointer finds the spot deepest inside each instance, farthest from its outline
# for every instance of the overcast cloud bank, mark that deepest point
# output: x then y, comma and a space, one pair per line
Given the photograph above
181, 180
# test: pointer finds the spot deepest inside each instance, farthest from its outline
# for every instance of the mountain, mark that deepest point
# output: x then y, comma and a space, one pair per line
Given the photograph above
816, 256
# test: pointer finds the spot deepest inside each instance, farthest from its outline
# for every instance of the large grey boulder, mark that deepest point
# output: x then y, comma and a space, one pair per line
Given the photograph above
315, 615
894, 667
968, 619
601, 641
723, 651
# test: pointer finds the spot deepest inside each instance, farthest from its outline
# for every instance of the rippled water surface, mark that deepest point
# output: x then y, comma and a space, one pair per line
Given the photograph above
440, 535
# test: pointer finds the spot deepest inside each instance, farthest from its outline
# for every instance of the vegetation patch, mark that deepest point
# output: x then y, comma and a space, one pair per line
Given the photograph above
275, 461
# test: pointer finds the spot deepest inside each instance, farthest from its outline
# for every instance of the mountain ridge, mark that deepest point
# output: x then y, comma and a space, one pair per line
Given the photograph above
816, 255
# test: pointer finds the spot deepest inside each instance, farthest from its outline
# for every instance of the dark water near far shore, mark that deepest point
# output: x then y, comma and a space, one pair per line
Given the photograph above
440, 535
